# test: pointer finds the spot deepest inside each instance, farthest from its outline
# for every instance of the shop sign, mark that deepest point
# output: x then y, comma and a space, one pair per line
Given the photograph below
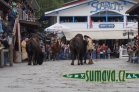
106, 25
106, 5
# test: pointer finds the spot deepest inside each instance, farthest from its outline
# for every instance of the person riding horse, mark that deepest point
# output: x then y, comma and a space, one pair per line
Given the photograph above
55, 45
89, 47
54, 39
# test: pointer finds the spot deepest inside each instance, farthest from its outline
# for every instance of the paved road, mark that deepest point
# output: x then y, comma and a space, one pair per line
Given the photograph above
48, 77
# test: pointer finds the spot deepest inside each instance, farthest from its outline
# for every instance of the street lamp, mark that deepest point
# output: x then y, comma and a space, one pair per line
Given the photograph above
128, 32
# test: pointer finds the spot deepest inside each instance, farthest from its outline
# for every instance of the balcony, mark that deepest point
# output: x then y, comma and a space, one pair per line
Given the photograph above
99, 25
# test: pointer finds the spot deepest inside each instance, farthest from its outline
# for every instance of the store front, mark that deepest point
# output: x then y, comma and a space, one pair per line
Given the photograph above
103, 20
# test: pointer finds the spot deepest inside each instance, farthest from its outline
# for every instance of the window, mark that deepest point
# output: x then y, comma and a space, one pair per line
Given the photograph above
132, 18
107, 16
66, 19
99, 19
80, 19
115, 18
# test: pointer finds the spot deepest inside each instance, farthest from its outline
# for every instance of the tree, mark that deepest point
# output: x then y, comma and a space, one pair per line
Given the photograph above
67, 1
47, 5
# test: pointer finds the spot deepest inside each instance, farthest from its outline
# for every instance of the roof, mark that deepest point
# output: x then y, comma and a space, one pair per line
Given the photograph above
70, 2
81, 3
30, 24
42, 18
131, 1
66, 7
73, 2
133, 10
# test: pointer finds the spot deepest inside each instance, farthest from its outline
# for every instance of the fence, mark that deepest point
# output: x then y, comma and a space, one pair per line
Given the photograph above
10, 54
123, 53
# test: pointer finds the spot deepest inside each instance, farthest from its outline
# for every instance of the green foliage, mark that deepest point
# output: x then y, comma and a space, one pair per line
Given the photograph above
67, 1
48, 5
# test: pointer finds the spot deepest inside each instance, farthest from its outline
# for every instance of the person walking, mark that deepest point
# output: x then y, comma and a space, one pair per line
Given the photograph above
89, 47
108, 53
24, 52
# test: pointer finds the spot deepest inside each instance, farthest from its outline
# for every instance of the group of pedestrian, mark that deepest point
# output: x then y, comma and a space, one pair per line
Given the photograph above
133, 51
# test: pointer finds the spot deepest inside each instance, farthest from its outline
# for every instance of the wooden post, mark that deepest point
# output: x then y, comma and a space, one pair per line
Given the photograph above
11, 55
138, 32
2, 59
19, 37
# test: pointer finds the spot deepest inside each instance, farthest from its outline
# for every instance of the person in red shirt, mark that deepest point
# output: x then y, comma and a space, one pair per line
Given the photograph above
98, 53
104, 50
104, 47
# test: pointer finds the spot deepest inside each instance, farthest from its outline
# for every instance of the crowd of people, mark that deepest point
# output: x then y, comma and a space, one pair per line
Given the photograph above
98, 52
23, 9
8, 17
132, 49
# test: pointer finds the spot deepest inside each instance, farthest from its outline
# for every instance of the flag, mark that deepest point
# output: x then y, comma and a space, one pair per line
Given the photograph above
91, 25
126, 21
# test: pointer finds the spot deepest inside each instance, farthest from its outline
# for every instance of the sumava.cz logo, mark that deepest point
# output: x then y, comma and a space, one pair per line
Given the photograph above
103, 76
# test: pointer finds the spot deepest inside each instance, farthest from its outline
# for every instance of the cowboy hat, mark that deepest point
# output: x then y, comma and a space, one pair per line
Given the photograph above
85, 36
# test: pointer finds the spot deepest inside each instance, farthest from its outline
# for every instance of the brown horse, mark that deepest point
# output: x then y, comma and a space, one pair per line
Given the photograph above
34, 51
55, 49
78, 48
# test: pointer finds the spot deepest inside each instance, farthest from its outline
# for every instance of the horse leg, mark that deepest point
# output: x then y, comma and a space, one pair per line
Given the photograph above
73, 58
78, 59
81, 60
54, 56
85, 59
34, 59
29, 61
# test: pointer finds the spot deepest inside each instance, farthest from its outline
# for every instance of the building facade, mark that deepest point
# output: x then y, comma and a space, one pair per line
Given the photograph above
99, 19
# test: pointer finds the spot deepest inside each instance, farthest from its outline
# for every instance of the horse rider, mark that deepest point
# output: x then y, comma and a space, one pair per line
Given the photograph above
54, 39
89, 48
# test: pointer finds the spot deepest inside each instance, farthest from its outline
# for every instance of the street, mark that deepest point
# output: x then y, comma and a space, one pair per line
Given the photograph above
48, 77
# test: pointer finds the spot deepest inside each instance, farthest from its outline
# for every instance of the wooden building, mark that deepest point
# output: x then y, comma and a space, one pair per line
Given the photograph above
25, 22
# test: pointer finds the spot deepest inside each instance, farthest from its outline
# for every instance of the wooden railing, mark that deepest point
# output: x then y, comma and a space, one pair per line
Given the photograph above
10, 55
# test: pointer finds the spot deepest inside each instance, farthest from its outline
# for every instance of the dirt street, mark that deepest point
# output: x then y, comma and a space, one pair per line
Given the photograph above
48, 77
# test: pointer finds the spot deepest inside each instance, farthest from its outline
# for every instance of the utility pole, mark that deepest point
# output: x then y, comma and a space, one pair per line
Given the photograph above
128, 37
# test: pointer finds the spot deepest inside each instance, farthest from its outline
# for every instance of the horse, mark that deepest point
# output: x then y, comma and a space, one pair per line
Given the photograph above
55, 49
78, 48
34, 51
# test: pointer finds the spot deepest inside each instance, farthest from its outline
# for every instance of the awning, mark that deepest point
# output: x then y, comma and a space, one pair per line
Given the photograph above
99, 34
42, 18
133, 10
29, 24
4, 6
